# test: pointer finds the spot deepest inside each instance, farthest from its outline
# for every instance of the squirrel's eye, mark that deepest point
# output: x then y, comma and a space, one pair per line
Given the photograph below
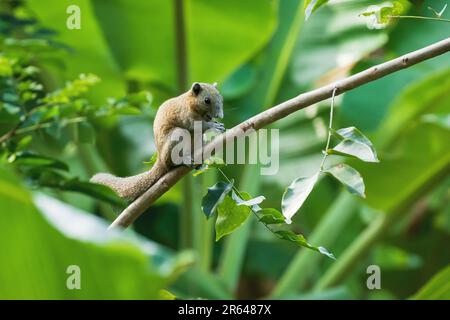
207, 100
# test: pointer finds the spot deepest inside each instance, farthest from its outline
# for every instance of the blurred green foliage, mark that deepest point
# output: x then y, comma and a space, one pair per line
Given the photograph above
76, 102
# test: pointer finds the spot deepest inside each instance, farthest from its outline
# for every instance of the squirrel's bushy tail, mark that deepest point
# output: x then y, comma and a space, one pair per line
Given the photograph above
130, 188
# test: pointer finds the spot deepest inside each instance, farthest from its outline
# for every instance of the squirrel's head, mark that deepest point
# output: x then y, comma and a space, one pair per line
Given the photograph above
208, 100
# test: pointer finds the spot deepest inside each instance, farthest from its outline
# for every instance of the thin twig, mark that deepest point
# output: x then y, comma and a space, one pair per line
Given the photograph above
10, 133
420, 18
330, 128
135, 209
16, 131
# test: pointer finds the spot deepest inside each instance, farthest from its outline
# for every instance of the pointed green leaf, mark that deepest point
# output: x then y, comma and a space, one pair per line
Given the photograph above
353, 134
391, 9
54, 179
438, 288
166, 295
127, 111
270, 216
249, 203
301, 241
349, 177
381, 14
354, 143
36, 160
94, 190
54, 235
312, 5
24, 142
214, 197
295, 195
230, 216
354, 149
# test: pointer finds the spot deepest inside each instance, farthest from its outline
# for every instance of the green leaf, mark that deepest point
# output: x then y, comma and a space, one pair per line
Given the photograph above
213, 162
354, 143
249, 203
53, 179
271, 216
72, 89
36, 160
24, 142
438, 288
166, 295
354, 149
127, 111
9, 115
382, 14
295, 195
113, 265
337, 293
300, 240
94, 190
214, 197
394, 10
349, 177
353, 134
6, 66
312, 5
231, 216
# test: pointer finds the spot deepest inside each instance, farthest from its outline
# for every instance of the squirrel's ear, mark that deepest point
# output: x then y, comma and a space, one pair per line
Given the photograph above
196, 88
215, 85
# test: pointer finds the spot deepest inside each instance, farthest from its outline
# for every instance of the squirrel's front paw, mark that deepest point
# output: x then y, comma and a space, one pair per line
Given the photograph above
218, 126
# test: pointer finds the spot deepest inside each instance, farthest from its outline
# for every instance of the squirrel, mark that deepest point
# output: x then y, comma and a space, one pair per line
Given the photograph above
202, 102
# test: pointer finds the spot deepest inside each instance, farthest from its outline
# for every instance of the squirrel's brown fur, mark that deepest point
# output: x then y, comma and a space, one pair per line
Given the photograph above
202, 102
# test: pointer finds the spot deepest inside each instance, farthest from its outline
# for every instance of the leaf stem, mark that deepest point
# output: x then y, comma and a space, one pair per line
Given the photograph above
10, 133
420, 18
330, 128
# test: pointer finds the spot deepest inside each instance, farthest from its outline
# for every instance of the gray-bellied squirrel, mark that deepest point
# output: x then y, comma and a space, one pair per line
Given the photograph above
202, 102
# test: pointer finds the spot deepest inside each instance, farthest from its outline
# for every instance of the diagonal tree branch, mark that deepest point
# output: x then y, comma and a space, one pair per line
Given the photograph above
135, 209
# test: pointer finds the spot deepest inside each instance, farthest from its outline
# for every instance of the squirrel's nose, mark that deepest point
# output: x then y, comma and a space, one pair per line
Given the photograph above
220, 114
